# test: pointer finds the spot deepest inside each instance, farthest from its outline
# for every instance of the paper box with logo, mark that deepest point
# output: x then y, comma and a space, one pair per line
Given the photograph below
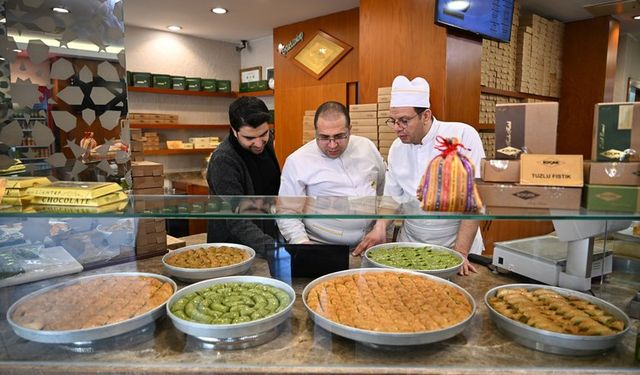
514, 195
500, 170
551, 170
526, 125
611, 198
616, 129
612, 173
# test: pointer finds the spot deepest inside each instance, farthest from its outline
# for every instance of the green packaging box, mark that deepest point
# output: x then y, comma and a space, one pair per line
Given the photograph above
193, 83
224, 85
209, 84
616, 128
162, 81
178, 83
611, 198
262, 85
244, 86
141, 79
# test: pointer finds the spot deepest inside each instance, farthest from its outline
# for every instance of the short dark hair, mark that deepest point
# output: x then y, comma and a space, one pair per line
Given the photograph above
419, 110
331, 108
248, 111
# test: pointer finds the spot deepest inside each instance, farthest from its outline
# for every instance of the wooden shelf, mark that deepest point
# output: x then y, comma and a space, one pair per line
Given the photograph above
188, 151
153, 90
180, 126
515, 94
256, 93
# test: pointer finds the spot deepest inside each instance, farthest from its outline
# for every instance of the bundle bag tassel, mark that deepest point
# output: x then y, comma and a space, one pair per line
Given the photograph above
448, 182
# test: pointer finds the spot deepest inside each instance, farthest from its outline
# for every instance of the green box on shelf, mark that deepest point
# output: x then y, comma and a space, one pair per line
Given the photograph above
129, 78
224, 86
162, 81
262, 85
244, 86
141, 79
209, 84
193, 83
178, 83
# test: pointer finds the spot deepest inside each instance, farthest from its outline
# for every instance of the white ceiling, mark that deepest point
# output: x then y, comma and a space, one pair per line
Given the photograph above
253, 19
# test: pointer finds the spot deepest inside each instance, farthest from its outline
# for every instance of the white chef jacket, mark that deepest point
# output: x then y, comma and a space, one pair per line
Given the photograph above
407, 164
358, 172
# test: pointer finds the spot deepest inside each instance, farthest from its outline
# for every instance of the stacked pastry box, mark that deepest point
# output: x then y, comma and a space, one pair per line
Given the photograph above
308, 130
137, 144
538, 178
612, 184
204, 142
152, 118
15, 193
386, 135
148, 179
364, 121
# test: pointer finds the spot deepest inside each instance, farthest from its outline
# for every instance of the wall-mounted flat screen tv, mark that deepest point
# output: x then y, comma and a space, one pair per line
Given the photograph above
490, 19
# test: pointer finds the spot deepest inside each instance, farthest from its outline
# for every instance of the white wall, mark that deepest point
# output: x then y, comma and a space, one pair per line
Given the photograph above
628, 65
174, 54
259, 53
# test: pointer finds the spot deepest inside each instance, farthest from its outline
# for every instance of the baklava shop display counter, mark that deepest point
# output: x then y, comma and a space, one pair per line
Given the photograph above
78, 296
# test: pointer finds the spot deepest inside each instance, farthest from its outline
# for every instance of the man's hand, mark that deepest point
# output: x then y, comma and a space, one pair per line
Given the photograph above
466, 268
376, 236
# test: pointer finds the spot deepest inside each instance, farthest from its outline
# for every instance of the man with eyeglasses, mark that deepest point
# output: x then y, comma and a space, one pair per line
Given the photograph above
245, 164
335, 164
409, 155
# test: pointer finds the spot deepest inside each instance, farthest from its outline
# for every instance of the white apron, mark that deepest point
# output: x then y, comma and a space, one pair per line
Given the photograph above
436, 232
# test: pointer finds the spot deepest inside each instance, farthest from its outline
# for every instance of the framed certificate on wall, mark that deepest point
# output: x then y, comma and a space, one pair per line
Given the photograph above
320, 54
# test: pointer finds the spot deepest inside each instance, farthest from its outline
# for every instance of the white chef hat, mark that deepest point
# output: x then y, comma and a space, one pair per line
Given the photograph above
405, 93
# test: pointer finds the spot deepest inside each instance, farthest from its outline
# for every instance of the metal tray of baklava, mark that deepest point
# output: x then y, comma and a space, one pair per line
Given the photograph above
82, 336
391, 339
553, 342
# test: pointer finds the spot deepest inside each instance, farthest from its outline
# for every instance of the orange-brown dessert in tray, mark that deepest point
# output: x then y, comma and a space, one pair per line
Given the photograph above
92, 303
389, 302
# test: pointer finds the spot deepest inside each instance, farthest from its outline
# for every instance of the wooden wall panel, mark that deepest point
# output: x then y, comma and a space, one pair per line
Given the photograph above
400, 37
588, 73
296, 90
506, 230
462, 95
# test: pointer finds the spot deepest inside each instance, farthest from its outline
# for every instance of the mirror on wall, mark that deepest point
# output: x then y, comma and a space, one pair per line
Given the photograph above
63, 90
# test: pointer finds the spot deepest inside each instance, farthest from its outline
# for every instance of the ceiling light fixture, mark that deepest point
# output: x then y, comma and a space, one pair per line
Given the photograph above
174, 28
4, 20
60, 10
219, 10
460, 5
636, 17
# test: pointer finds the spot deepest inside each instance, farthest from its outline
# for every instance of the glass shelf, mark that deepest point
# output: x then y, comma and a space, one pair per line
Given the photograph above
270, 207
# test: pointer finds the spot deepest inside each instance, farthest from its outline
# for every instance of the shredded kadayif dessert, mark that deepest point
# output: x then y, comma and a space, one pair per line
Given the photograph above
208, 257
389, 302
545, 309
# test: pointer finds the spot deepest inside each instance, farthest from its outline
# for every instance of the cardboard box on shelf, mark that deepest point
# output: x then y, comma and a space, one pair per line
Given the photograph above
383, 114
149, 191
514, 195
174, 145
494, 170
363, 115
146, 182
146, 168
616, 128
364, 121
551, 170
384, 90
363, 107
611, 198
612, 173
526, 125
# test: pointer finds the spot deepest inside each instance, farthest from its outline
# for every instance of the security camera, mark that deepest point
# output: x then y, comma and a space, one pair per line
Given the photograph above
243, 46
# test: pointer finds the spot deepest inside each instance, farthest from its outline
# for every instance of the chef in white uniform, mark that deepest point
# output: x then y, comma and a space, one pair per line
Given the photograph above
409, 155
335, 164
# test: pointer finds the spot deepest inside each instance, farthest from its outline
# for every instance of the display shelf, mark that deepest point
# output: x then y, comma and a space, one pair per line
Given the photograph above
179, 126
515, 94
153, 90
256, 93
31, 146
188, 151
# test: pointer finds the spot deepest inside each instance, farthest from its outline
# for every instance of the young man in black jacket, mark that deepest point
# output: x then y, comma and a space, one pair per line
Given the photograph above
245, 164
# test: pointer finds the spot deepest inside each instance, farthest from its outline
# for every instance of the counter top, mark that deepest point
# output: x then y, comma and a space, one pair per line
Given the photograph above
303, 348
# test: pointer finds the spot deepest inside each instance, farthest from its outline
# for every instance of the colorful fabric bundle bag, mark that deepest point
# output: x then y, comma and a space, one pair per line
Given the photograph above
448, 182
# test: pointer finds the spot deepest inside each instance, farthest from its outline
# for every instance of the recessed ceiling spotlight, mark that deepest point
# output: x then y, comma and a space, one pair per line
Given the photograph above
219, 10
174, 27
60, 10
636, 17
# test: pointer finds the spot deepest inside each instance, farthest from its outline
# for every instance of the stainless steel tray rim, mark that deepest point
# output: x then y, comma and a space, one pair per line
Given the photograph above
446, 272
388, 338
208, 273
94, 333
231, 330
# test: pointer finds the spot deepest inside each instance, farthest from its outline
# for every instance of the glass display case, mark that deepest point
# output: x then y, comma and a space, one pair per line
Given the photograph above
48, 246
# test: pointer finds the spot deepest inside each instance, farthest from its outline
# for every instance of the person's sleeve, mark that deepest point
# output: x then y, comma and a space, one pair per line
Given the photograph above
391, 187
224, 178
476, 154
382, 171
290, 186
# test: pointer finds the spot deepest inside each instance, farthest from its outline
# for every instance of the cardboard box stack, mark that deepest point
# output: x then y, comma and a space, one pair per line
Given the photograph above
539, 69
137, 145
150, 141
612, 184
499, 60
386, 135
539, 178
204, 142
364, 121
308, 130
152, 118
151, 235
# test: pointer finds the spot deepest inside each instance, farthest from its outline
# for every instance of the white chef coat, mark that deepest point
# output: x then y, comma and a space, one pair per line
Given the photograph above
407, 164
358, 172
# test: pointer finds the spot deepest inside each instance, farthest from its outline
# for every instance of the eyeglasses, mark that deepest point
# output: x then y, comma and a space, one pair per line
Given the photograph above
403, 121
336, 138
